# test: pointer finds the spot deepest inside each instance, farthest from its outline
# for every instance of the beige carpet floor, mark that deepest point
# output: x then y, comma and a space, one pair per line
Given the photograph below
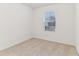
39, 47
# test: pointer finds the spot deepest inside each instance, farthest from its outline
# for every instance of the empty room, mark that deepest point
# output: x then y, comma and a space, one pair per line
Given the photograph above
39, 29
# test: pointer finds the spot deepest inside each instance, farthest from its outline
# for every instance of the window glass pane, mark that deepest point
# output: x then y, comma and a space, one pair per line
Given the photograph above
49, 21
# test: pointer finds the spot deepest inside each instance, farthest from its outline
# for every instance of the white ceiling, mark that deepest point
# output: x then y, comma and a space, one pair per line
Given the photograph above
37, 5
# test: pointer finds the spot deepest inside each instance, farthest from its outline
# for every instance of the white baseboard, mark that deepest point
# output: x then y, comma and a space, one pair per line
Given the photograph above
15, 43
56, 41
31, 38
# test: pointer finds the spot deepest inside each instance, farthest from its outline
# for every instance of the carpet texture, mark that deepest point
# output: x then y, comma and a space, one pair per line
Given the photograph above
39, 47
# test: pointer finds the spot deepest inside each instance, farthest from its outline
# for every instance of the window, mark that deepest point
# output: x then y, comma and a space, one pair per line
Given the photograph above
49, 21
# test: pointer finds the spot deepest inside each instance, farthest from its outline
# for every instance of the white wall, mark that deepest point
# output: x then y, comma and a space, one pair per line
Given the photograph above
65, 28
14, 24
77, 27
17, 24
